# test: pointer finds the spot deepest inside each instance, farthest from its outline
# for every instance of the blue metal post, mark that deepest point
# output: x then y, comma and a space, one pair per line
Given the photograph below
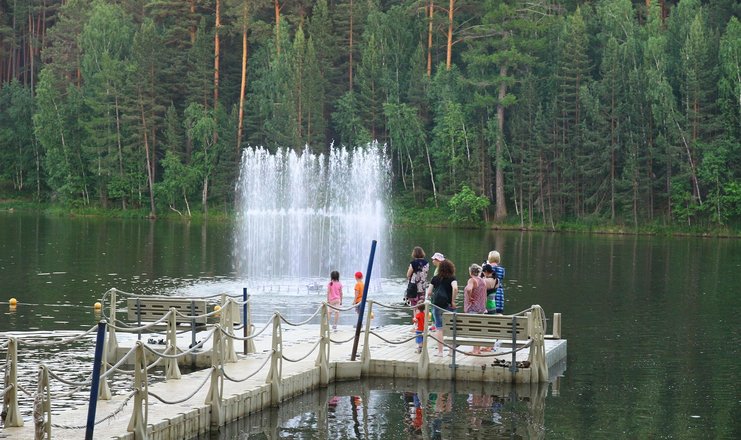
361, 312
96, 381
245, 330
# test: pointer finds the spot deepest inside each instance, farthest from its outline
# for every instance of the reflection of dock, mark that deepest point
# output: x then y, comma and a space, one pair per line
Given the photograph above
527, 400
286, 360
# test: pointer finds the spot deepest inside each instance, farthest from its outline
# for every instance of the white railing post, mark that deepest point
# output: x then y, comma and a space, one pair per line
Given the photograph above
248, 329
12, 416
322, 360
366, 357
276, 363
138, 421
216, 390
226, 318
538, 365
112, 342
172, 369
42, 406
556, 326
424, 358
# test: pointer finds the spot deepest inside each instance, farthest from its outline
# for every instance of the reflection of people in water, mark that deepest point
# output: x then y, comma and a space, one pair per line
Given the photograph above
478, 404
417, 417
442, 403
332, 403
496, 408
356, 404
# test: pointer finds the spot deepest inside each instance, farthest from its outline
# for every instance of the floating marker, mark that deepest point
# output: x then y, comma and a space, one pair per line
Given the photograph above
13, 302
97, 306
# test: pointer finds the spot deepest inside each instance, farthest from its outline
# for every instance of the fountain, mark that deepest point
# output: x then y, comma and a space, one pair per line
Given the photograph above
301, 215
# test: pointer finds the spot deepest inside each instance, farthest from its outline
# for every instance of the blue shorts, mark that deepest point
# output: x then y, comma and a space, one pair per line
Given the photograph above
437, 315
419, 337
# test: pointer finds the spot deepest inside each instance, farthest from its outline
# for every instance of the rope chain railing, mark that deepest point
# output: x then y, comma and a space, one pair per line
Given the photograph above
286, 358
190, 396
222, 335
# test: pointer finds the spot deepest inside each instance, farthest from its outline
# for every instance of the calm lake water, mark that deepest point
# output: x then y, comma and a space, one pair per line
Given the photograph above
652, 324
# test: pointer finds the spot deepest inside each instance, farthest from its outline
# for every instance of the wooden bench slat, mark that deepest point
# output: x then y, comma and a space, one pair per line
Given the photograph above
152, 309
483, 329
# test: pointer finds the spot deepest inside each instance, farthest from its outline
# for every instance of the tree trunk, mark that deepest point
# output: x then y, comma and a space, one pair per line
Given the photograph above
449, 55
431, 15
217, 48
147, 153
193, 27
120, 147
277, 26
350, 49
501, 210
243, 84
432, 175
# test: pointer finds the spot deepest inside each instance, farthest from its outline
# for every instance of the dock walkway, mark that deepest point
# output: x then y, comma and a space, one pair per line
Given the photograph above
249, 384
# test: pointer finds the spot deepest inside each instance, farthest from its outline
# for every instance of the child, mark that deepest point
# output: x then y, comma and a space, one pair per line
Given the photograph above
334, 297
359, 286
494, 259
419, 322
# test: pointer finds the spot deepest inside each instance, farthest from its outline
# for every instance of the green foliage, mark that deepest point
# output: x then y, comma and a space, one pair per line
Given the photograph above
577, 113
466, 206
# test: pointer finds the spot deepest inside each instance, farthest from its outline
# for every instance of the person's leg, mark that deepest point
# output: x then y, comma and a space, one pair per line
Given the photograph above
437, 314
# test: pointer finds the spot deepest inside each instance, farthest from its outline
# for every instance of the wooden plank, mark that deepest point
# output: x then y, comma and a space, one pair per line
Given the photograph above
152, 309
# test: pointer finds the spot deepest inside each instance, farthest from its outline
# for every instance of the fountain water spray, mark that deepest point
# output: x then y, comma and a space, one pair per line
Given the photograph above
304, 215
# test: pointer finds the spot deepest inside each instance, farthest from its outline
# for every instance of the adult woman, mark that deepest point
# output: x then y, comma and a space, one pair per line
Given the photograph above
474, 295
417, 273
445, 288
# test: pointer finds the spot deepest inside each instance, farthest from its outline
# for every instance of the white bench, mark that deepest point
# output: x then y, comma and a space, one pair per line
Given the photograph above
152, 308
484, 330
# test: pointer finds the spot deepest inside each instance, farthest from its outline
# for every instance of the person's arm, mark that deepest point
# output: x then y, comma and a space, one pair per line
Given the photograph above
410, 271
453, 293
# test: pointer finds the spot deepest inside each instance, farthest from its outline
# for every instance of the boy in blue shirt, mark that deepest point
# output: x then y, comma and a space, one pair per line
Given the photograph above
494, 259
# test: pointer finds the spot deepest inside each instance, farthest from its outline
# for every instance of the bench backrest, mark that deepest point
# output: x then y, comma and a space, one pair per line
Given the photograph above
151, 309
473, 325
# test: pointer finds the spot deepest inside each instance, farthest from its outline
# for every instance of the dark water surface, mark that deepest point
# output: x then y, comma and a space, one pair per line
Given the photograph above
652, 323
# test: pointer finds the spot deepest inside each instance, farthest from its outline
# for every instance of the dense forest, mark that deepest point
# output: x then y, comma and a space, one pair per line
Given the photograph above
531, 111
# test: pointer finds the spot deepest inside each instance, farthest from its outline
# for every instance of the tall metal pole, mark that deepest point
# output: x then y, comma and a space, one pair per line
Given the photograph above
361, 312
95, 382
244, 319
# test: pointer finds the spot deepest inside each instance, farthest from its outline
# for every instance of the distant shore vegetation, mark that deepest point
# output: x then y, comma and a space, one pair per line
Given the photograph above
611, 116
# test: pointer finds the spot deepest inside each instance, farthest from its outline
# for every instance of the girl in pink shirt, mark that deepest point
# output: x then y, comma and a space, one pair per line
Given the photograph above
334, 297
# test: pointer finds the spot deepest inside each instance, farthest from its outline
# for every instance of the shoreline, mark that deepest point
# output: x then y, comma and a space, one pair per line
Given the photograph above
220, 214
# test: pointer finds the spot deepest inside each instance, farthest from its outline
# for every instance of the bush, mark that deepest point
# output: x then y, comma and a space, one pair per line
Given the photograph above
466, 206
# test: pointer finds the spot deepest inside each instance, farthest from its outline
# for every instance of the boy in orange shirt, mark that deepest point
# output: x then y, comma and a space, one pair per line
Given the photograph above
359, 286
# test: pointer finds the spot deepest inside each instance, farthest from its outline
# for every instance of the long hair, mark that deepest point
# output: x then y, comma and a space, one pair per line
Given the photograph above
446, 269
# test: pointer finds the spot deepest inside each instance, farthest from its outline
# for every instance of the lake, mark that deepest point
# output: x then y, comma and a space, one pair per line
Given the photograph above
651, 322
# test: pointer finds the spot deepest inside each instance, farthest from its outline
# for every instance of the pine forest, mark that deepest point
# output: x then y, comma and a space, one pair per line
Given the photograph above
531, 112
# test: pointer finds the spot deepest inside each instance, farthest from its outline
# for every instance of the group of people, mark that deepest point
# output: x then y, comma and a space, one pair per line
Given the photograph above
483, 293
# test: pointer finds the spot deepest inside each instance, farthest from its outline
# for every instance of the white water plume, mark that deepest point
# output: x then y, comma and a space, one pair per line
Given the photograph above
305, 215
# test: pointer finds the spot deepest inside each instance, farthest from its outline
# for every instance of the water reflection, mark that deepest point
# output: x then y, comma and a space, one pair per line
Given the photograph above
402, 409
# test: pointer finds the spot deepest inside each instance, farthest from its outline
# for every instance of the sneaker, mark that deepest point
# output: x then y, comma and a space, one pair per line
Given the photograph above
334, 328
419, 349
433, 328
